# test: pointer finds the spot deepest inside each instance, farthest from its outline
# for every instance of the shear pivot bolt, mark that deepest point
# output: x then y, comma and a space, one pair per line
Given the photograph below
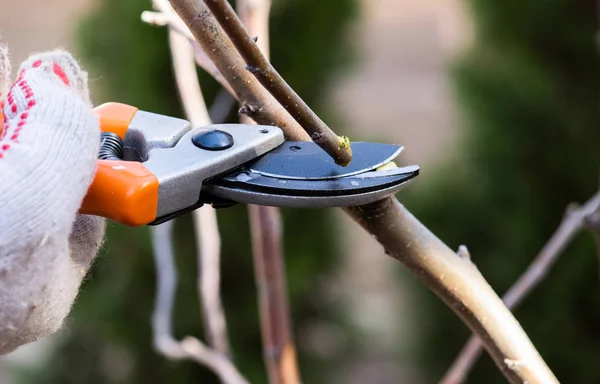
213, 140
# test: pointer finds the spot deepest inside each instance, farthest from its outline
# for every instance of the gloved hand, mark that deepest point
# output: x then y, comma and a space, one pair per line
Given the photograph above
48, 150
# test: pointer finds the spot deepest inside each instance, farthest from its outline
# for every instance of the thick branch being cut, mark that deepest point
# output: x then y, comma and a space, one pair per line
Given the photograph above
574, 221
279, 352
459, 283
259, 65
454, 279
215, 42
256, 102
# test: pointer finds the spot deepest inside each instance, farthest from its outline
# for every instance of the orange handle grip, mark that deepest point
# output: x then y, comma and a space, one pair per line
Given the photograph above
123, 191
115, 117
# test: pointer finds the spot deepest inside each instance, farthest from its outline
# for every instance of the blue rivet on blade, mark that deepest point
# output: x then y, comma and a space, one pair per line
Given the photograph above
213, 140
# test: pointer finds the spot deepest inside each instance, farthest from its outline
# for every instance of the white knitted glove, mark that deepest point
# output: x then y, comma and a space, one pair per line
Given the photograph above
48, 151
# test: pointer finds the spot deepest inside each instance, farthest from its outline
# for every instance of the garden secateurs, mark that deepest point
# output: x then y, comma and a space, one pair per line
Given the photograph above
153, 168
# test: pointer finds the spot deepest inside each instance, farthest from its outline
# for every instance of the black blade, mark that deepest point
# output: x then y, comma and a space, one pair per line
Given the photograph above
306, 160
253, 188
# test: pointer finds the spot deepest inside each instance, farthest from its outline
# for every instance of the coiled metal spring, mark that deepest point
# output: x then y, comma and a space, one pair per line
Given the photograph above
111, 146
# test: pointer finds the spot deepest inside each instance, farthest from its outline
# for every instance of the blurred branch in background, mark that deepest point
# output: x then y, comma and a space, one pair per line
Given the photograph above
278, 346
207, 236
266, 229
593, 224
164, 342
456, 280
165, 16
574, 221
208, 243
208, 239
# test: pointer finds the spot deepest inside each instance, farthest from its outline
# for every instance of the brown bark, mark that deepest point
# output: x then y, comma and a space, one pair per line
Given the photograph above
278, 346
261, 68
257, 103
458, 282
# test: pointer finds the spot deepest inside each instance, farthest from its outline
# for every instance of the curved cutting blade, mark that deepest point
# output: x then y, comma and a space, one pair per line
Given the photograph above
307, 161
253, 188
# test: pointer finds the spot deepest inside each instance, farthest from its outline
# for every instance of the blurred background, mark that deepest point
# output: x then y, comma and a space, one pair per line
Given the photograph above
496, 101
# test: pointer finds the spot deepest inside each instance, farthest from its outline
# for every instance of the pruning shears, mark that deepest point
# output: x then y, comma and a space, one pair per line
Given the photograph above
153, 168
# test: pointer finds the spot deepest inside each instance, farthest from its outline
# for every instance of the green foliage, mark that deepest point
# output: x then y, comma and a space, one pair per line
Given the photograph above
109, 338
528, 92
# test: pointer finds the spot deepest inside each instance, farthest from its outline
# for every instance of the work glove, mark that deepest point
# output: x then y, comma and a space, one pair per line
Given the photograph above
48, 149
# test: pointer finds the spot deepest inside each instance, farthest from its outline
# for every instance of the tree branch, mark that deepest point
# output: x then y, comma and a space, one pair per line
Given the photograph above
208, 242
205, 219
593, 225
454, 279
267, 249
458, 282
338, 147
573, 222
278, 346
256, 102
163, 340
187, 81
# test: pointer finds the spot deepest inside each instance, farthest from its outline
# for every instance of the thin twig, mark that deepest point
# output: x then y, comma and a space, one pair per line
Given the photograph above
186, 79
217, 362
205, 218
166, 280
209, 253
569, 227
163, 340
165, 16
266, 229
454, 279
338, 147
208, 242
593, 224
573, 222
593, 220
